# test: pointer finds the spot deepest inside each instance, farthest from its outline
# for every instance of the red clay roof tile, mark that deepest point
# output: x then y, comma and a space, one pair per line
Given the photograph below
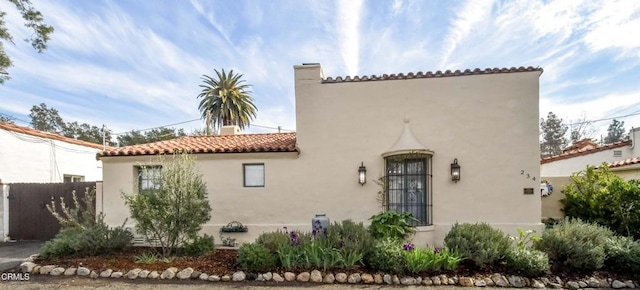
585, 151
47, 135
429, 74
625, 162
241, 143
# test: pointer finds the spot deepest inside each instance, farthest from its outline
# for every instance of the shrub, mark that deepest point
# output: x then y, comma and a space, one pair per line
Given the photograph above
478, 242
255, 258
352, 240
199, 245
387, 256
274, 240
175, 213
623, 255
419, 260
600, 196
390, 224
528, 262
147, 258
62, 245
576, 244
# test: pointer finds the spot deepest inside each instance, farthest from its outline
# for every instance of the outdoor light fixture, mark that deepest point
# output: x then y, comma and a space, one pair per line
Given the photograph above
455, 170
362, 173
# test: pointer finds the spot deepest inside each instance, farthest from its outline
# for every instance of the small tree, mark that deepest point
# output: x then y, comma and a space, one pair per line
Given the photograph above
175, 213
553, 132
615, 132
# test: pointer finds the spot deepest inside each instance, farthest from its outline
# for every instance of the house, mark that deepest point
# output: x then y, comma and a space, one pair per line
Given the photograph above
622, 156
32, 156
453, 146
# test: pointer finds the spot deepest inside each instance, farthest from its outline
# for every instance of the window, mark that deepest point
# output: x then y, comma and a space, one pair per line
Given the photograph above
67, 178
617, 153
149, 178
253, 175
408, 186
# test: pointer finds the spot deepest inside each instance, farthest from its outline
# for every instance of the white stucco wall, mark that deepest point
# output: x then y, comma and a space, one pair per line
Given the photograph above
4, 212
27, 158
565, 167
488, 122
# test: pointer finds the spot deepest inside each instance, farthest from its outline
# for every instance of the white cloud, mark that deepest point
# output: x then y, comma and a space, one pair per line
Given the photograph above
348, 29
615, 25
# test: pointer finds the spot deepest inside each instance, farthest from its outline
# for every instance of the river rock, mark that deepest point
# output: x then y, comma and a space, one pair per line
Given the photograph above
27, 267
106, 273
315, 277
239, 276
133, 274
341, 278
57, 271
329, 278
288, 276
83, 272
367, 278
277, 277
70, 272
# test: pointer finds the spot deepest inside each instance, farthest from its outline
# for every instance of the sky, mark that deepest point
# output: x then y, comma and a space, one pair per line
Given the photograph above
134, 65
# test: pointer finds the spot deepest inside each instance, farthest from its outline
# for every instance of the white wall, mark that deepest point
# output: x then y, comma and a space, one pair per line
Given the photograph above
4, 212
27, 158
565, 167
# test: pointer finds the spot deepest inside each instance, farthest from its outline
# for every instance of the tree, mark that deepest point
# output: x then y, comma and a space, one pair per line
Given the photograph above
553, 132
46, 119
86, 132
35, 22
174, 213
154, 135
615, 132
6, 119
49, 120
226, 100
582, 129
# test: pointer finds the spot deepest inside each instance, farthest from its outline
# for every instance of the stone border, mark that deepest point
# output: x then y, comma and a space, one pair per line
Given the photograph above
316, 276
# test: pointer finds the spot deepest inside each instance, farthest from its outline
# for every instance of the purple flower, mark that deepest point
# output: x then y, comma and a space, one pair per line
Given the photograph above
407, 246
436, 250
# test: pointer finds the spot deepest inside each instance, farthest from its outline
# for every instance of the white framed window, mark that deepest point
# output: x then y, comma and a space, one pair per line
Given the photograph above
253, 174
67, 178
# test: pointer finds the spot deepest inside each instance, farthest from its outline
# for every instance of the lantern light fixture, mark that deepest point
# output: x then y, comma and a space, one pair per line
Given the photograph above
455, 171
362, 174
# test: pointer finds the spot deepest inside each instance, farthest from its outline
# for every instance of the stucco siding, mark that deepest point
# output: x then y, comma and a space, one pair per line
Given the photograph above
565, 167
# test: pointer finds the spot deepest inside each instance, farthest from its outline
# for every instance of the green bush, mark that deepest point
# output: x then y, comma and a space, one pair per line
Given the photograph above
576, 244
255, 258
623, 255
600, 196
199, 245
478, 242
352, 240
174, 213
390, 224
528, 262
387, 256
273, 240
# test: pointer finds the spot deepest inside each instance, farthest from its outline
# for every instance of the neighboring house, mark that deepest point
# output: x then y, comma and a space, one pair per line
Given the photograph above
412, 129
623, 158
32, 156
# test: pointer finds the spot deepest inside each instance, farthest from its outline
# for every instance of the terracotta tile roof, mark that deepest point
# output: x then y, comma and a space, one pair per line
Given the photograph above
429, 74
580, 145
241, 143
585, 151
47, 135
625, 162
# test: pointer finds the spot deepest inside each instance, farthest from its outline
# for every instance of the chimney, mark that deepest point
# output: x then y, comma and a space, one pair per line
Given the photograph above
230, 130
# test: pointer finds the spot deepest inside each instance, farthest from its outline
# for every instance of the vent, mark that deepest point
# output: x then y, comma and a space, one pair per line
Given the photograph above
617, 153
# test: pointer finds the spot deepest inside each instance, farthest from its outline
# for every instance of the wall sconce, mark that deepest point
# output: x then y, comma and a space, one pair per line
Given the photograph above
455, 171
362, 174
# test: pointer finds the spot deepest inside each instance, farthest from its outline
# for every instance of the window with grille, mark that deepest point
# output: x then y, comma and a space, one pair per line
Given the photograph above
408, 186
149, 178
72, 178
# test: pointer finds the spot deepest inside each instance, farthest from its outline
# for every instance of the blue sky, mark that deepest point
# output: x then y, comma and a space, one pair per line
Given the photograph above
138, 64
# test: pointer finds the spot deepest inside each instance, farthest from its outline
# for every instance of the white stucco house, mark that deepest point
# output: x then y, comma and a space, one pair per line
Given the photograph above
32, 156
416, 130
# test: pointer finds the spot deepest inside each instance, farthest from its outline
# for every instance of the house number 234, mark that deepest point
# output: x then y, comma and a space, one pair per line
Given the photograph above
528, 175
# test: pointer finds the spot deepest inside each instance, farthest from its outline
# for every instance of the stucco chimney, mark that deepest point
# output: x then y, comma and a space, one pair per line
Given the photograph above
230, 130
308, 72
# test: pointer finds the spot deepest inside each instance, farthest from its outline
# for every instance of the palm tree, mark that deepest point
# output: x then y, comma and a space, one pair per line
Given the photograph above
227, 100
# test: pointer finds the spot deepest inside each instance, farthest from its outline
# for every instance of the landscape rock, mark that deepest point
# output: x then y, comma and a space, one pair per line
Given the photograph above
303, 277
185, 273
260, 278
237, 276
116, 274
408, 281
195, 274
377, 278
555, 285
154, 275
451, 281
36, 269
45, 270
168, 273
418, 280
426, 281
32, 258
535, 283
545, 280
277, 277
203, 277
214, 278
466, 282
582, 284
489, 282
593, 282
395, 279
617, 284
629, 284
83, 272
133, 274
106, 273
500, 280
516, 281
329, 278
573, 285
605, 283
267, 276
57, 271
93, 275
225, 278
354, 278
70, 272
387, 279
27, 267
316, 276
480, 283
144, 274
436, 281
559, 281
444, 279
288, 276
368, 278
341, 278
